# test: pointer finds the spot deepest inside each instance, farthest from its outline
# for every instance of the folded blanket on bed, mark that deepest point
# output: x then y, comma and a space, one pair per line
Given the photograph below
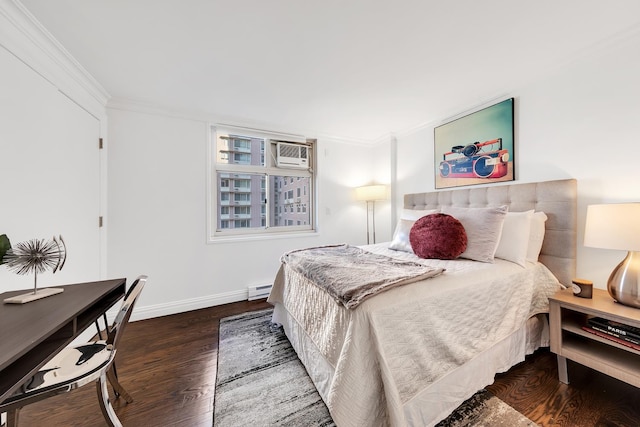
351, 275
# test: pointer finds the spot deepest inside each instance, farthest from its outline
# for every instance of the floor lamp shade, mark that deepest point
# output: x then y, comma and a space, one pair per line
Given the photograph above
369, 194
617, 226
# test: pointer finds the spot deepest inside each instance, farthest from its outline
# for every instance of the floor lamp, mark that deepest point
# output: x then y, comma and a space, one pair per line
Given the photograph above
369, 194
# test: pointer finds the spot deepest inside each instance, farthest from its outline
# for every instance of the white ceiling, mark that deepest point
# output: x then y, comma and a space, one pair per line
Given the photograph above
357, 69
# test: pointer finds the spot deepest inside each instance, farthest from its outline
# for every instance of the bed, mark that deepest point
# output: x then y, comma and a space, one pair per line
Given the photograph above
408, 356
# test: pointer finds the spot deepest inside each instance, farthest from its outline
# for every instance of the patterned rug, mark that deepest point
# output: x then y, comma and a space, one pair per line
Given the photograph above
261, 382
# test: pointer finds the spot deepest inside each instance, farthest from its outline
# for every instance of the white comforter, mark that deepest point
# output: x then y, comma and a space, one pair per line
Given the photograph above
370, 363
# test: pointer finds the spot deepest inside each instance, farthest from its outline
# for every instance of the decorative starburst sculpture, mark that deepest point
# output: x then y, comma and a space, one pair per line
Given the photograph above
37, 256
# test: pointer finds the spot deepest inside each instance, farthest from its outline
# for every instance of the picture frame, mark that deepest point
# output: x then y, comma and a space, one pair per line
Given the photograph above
477, 148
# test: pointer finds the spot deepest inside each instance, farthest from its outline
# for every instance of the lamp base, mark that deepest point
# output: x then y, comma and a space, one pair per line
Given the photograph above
32, 296
624, 281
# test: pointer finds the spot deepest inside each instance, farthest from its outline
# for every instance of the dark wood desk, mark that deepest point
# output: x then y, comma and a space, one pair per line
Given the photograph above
32, 333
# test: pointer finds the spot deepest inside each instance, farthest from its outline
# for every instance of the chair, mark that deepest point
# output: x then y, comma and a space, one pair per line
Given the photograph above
76, 366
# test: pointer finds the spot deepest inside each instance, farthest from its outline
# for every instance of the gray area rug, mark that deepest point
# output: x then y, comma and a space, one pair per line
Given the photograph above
261, 382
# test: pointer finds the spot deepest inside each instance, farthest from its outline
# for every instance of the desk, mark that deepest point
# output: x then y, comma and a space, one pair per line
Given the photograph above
32, 333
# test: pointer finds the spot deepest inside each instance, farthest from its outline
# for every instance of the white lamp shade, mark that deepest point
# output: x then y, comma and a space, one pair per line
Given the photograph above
371, 192
613, 226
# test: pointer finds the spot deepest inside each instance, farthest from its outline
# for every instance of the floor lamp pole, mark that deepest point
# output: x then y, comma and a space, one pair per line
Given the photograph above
369, 194
373, 219
368, 201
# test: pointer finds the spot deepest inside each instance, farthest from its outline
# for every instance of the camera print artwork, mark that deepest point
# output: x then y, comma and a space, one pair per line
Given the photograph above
476, 148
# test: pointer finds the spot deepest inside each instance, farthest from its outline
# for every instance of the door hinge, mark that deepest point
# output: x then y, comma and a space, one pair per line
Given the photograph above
100, 221
100, 144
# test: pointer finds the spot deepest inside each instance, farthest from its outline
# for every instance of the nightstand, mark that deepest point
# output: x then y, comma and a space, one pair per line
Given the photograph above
569, 313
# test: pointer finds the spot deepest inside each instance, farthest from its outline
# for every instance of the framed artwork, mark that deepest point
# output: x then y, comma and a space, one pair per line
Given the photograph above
476, 148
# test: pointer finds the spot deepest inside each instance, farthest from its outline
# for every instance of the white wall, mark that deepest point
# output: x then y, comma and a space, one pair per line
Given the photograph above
156, 189
50, 123
383, 154
157, 213
579, 121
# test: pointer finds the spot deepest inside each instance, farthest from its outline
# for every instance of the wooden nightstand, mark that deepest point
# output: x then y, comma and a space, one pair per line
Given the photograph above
567, 315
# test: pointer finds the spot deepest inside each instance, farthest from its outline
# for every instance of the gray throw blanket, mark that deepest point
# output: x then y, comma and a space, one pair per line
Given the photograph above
351, 275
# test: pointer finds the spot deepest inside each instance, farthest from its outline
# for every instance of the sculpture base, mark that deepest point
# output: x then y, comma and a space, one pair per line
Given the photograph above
40, 293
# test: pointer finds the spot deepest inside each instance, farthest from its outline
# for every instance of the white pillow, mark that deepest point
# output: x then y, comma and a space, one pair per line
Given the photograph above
408, 217
514, 241
400, 241
483, 227
416, 214
536, 236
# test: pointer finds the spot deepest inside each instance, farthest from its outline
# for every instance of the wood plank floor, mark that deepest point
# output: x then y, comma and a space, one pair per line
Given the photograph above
168, 364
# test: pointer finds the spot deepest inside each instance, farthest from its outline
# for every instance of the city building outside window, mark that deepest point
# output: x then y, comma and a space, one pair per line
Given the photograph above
252, 190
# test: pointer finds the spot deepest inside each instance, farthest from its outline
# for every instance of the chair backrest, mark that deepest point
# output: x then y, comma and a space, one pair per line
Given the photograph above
122, 318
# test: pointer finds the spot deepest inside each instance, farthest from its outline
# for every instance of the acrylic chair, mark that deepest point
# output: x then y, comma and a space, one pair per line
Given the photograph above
76, 366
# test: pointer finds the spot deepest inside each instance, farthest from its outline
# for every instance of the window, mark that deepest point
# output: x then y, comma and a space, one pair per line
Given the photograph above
249, 193
242, 158
242, 144
243, 210
242, 197
242, 183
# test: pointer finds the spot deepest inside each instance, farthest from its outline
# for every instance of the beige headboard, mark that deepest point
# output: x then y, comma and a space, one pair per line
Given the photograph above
557, 199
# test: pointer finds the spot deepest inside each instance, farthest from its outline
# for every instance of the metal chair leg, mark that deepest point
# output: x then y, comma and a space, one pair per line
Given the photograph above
12, 417
105, 404
116, 390
117, 387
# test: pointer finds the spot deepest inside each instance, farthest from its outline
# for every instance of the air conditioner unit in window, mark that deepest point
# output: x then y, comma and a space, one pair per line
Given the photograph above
292, 155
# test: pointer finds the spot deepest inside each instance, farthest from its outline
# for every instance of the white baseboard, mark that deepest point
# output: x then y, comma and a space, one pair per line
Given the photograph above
148, 312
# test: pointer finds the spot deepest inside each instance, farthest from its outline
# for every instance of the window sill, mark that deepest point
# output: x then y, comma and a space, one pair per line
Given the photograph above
266, 236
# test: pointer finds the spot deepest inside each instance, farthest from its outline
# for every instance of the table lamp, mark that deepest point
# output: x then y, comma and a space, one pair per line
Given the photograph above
617, 226
369, 194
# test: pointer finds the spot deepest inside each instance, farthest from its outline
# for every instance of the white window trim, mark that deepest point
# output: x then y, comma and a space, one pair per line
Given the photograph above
214, 236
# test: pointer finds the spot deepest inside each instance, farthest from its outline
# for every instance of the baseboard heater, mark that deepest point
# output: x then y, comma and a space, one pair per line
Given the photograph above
259, 291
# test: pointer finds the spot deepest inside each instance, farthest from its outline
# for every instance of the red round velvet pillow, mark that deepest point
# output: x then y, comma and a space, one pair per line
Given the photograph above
438, 236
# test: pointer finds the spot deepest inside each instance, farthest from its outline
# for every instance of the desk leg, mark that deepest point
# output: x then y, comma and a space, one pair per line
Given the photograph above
563, 376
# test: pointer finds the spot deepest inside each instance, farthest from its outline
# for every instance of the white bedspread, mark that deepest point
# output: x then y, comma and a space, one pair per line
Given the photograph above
374, 360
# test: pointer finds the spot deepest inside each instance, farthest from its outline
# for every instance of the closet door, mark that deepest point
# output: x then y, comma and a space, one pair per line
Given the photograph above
49, 173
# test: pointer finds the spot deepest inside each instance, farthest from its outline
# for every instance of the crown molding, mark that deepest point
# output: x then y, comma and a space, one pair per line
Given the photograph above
146, 107
27, 39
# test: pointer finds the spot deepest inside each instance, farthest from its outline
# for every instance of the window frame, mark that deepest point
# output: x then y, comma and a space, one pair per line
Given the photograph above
270, 169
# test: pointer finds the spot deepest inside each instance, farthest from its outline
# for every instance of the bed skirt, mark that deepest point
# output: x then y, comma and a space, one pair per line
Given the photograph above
441, 397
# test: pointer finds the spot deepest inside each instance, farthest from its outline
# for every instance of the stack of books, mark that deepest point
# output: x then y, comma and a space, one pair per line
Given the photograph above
622, 334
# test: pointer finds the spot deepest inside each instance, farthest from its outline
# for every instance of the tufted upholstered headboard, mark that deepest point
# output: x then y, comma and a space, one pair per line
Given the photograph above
557, 199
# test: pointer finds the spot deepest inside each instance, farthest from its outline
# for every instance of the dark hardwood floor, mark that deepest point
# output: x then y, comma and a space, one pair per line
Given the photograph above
591, 398
168, 364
